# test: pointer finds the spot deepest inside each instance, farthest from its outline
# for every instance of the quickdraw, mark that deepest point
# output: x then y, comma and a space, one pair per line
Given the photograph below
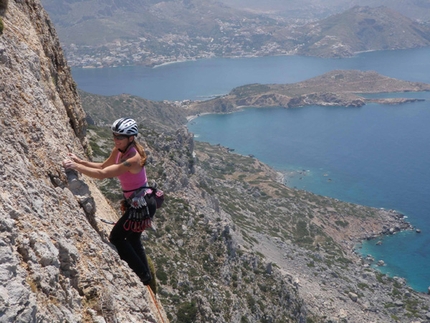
147, 223
139, 218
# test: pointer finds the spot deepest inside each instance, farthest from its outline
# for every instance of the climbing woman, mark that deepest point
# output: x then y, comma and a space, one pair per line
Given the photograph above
127, 162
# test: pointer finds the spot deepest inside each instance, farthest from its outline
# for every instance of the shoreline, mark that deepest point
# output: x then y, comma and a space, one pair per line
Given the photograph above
173, 62
195, 116
236, 109
387, 219
388, 222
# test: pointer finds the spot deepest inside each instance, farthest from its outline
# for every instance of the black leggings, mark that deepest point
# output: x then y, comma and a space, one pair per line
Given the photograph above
130, 249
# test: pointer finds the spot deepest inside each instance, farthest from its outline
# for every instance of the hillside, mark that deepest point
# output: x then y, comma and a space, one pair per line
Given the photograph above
138, 18
101, 110
335, 88
362, 29
233, 243
143, 32
229, 220
315, 9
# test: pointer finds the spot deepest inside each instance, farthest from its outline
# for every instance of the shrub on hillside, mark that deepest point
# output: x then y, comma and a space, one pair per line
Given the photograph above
187, 312
3, 4
1, 26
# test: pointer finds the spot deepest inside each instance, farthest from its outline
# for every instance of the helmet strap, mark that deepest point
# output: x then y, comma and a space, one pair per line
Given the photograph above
122, 151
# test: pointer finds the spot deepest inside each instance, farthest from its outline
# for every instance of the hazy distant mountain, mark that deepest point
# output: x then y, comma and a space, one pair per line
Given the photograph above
100, 33
300, 10
149, 32
362, 29
316, 9
94, 22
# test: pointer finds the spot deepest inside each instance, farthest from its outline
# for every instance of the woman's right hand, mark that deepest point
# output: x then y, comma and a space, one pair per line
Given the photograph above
73, 157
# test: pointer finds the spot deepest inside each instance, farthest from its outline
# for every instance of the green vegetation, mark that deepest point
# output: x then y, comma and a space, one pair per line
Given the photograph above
187, 312
342, 224
249, 90
153, 282
1, 26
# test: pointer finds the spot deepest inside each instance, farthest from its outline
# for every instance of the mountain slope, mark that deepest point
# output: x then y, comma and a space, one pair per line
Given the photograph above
99, 34
234, 244
315, 9
141, 18
101, 110
362, 29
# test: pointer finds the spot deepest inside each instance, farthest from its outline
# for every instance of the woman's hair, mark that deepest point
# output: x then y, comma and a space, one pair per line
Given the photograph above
141, 152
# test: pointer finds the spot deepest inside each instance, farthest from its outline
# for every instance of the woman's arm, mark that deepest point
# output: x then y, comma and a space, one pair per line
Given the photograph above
107, 162
85, 163
130, 165
99, 173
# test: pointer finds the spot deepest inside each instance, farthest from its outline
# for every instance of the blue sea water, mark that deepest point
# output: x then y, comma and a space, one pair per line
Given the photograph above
202, 79
376, 155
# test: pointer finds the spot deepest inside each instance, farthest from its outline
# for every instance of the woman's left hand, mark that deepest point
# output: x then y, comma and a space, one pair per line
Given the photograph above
69, 164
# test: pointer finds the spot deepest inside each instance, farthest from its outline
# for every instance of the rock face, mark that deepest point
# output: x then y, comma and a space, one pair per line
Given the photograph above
55, 263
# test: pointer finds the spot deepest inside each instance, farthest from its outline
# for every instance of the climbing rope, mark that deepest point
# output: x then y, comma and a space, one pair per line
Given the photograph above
156, 303
149, 288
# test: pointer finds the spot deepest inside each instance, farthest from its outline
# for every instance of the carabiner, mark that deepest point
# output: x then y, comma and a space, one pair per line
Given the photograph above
127, 225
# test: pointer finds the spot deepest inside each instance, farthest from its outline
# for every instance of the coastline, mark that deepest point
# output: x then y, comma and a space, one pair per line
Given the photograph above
174, 62
195, 116
192, 117
387, 222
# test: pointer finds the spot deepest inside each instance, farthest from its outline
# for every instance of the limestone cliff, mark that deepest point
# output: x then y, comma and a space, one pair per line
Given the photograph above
55, 266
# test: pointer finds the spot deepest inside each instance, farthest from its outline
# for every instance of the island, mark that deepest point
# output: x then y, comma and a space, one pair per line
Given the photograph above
335, 88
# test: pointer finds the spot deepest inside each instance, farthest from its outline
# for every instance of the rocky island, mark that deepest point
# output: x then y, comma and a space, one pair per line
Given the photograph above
335, 88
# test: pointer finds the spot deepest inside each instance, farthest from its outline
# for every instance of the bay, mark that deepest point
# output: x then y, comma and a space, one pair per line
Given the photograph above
375, 155
201, 79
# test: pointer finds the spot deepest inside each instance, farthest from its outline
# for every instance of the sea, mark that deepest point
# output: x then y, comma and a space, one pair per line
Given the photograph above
375, 155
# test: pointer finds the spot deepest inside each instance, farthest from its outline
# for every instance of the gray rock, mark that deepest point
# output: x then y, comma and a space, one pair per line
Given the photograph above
353, 296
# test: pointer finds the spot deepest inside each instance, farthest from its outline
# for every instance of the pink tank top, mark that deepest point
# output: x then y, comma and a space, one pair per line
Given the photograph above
129, 181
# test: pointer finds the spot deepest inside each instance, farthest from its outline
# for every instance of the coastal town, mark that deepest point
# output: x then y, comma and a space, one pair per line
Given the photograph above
238, 36
174, 48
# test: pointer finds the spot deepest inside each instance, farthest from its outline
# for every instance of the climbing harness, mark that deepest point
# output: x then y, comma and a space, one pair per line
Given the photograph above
150, 190
139, 217
139, 214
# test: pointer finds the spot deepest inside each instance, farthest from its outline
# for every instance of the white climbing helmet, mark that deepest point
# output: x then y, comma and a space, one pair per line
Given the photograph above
125, 126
